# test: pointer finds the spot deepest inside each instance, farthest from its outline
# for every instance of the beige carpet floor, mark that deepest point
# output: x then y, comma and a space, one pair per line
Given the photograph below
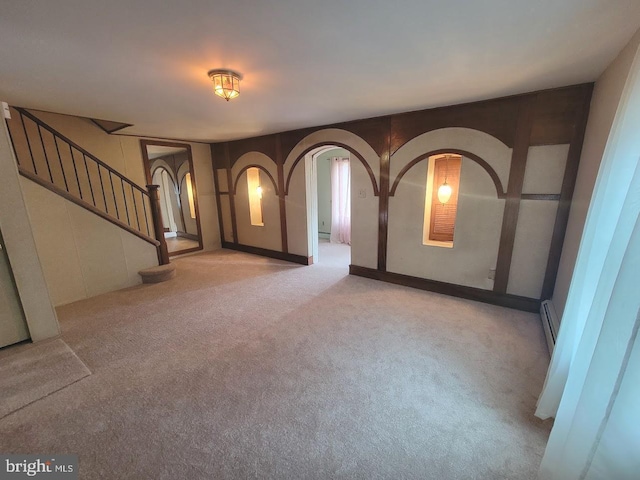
245, 367
29, 372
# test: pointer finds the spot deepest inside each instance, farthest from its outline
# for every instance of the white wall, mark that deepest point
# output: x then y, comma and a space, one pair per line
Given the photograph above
324, 193
82, 255
604, 104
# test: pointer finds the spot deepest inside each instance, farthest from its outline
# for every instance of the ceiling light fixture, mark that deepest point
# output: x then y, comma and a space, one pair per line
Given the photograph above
226, 84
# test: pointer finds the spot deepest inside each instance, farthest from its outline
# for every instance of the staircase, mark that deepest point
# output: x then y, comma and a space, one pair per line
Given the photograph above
50, 159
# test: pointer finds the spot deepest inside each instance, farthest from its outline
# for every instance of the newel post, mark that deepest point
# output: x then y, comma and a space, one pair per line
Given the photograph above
158, 227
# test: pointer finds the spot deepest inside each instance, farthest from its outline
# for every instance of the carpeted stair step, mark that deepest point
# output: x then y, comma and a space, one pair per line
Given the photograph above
158, 274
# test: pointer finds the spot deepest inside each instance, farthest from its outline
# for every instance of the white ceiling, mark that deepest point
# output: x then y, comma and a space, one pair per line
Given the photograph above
304, 62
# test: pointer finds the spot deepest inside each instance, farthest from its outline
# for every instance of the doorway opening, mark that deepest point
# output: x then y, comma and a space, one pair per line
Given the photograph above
329, 188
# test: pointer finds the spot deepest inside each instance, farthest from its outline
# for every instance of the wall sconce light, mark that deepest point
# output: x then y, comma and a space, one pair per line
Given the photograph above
259, 191
226, 84
444, 192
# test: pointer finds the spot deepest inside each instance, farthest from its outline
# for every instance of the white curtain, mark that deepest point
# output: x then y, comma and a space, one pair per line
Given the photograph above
593, 383
340, 201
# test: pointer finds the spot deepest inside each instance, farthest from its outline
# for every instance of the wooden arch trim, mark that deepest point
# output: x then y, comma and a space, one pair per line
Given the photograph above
471, 156
260, 167
174, 180
376, 191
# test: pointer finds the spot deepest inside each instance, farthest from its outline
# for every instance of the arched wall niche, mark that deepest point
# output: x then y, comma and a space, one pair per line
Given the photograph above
477, 231
255, 159
268, 235
486, 150
262, 169
500, 192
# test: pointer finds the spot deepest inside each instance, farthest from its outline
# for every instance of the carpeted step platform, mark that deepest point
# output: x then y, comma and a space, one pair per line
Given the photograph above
158, 274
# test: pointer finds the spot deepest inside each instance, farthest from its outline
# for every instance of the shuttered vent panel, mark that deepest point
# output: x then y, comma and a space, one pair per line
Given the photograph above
443, 217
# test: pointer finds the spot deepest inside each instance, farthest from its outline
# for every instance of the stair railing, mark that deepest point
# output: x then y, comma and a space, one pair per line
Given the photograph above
52, 160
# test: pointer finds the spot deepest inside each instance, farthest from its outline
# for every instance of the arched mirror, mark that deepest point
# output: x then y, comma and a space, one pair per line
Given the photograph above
170, 166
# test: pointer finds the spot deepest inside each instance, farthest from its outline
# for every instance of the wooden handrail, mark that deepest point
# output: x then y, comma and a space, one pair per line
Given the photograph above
55, 133
122, 203
72, 198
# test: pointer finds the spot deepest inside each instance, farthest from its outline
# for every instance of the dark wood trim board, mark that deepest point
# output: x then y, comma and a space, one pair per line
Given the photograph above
289, 257
469, 293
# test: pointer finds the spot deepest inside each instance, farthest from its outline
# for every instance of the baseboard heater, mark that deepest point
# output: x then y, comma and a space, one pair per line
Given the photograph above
550, 323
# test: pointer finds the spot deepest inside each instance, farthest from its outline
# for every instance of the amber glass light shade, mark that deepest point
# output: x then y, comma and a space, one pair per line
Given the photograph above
226, 84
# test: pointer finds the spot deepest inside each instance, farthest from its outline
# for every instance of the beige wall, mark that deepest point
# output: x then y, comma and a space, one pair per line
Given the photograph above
472, 260
82, 255
269, 235
479, 217
296, 208
124, 154
536, 219
477, 231
21, 249
604, 104
364, 216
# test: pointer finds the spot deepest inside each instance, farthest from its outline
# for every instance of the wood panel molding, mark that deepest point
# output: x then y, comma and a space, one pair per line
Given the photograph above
371, 130
514, 191
547, 117
568, 186
469, 293
289, 257
232, 204
216, 187
471, 156
383, 203
264, 144
281, 196
366, 165
540, 196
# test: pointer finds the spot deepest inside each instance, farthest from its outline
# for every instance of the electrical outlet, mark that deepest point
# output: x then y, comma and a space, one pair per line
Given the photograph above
492, 274
362, 193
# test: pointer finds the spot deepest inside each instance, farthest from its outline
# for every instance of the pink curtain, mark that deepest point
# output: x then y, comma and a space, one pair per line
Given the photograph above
340, 201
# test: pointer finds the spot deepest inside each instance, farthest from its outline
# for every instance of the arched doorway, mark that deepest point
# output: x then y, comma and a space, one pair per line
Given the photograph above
329, 191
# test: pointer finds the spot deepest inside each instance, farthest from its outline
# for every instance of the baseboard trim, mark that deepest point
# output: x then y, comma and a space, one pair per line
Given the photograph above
470, 293
550, 323
288, 257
